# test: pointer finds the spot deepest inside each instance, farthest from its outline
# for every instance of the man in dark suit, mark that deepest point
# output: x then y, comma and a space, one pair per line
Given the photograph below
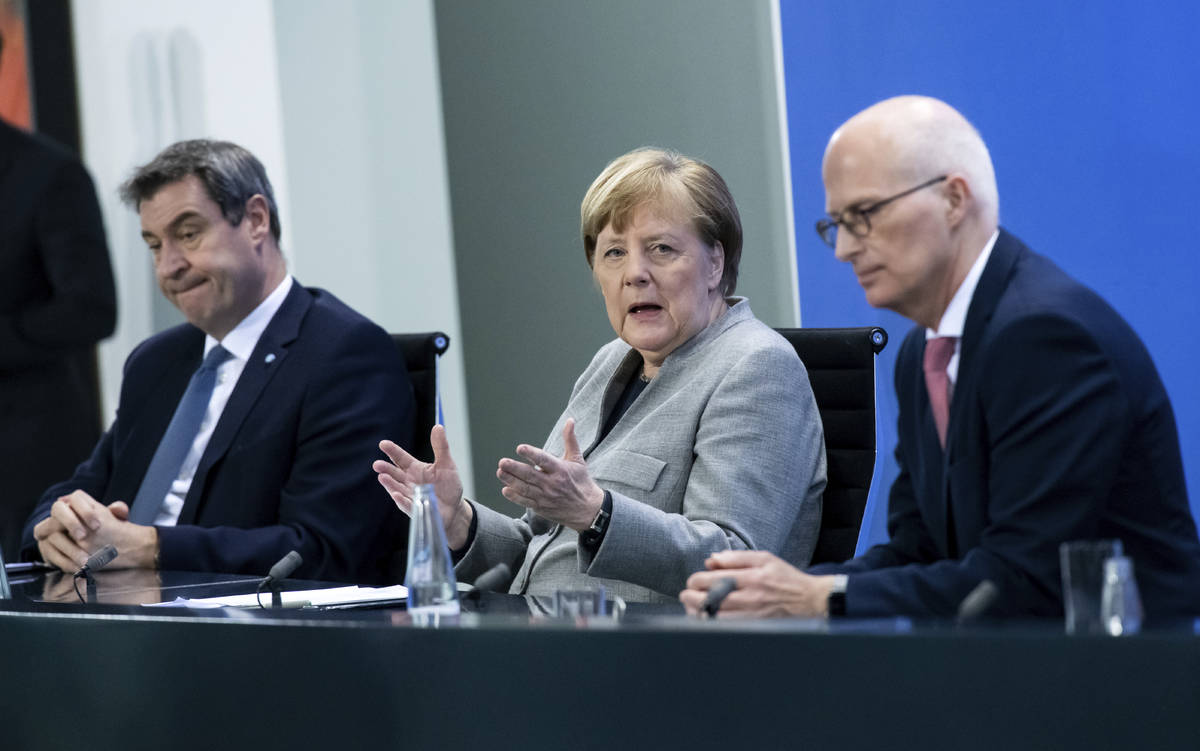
242, 434
57, 300
1030, 412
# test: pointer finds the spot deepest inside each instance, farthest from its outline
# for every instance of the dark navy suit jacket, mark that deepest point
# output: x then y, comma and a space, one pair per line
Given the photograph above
288, 466
1060, 429
57, 300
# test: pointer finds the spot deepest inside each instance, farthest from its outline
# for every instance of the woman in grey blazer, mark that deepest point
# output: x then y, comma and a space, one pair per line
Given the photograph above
694, 431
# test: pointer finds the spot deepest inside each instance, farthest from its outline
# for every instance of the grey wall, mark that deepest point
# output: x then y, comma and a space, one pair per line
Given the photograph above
538, 96
363, 140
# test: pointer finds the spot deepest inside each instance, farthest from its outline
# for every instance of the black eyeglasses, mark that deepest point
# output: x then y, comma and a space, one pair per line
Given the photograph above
857, 221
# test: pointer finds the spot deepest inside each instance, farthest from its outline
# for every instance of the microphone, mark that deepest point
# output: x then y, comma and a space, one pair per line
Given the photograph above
491, 580
717, 595
282, 569
97, 560
978, 601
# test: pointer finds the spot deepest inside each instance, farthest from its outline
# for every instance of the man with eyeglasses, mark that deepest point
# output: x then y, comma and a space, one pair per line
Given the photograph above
1030, 412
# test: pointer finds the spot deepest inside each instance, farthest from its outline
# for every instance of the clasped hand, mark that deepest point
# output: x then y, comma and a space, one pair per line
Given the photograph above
79, 525
766, 586
559, 489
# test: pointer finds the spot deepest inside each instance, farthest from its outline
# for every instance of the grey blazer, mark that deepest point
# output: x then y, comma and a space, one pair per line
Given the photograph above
724, 449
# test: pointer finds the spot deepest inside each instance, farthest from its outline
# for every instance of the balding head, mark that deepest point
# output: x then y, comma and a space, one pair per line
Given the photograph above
920, 246
916, 138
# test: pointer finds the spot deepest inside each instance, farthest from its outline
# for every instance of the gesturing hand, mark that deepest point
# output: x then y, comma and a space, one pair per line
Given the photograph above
561, 490
404, 471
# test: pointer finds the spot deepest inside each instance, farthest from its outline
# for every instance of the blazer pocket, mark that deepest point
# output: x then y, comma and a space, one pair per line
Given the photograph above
630, 468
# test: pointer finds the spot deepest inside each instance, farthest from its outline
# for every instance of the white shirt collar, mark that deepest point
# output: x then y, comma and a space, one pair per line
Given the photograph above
955, 318
244, 338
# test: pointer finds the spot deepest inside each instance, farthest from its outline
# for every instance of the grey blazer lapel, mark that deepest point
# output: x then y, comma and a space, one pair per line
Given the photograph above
587, 427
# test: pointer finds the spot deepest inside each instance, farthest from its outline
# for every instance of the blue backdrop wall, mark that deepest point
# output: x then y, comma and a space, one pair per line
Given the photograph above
1089, 110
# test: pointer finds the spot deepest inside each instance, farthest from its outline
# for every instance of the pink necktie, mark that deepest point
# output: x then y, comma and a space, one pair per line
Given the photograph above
937, 356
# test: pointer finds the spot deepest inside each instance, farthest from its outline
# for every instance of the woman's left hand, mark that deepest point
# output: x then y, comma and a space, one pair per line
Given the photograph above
560, 490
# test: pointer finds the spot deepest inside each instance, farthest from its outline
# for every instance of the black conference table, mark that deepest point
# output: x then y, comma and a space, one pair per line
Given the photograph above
113, 674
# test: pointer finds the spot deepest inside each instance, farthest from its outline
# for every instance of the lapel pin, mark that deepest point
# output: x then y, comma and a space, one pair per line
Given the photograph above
270, 358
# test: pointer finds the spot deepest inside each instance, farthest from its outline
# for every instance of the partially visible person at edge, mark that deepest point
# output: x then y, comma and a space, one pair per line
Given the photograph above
695, 431
1030, 413
57, 300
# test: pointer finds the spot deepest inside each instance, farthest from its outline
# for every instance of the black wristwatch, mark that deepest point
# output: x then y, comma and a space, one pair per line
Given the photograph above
591, 537
836, 602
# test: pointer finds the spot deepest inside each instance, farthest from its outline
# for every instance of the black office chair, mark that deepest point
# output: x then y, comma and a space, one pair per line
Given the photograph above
421, 353
841, 369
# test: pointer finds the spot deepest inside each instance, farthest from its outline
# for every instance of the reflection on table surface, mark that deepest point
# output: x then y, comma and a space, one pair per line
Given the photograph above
116, 590
120, 592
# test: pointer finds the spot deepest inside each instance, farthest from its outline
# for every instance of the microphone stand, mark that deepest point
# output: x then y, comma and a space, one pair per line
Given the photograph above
95, 561
276, 587
90, 586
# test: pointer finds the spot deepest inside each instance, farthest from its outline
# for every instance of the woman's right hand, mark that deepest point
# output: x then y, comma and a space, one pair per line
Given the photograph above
404, 471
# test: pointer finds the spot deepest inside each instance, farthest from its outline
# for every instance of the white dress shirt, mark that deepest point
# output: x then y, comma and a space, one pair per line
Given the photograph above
955, 317
241, 343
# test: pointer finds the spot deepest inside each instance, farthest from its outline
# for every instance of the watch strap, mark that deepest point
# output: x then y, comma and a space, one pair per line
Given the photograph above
591, 537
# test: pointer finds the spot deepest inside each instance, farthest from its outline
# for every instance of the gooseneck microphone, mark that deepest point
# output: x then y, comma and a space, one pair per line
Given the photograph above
717, 595
98, 560
95, 562
978, 601
491, 580
282, 569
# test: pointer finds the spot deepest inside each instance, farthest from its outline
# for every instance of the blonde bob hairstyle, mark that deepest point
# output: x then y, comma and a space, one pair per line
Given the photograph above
677, 185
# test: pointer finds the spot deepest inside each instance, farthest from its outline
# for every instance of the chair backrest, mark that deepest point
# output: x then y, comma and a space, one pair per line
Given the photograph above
841, 369
421, 353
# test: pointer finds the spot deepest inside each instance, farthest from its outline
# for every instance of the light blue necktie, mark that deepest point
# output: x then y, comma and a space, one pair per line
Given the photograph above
177, 441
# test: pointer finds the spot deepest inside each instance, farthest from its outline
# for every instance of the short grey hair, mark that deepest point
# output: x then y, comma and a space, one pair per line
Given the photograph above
231, 175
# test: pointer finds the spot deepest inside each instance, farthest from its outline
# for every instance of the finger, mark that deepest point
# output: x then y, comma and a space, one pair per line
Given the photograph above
47, 527
90, 511
520, 486
399, 456
739, 559
705, 580
526, 473
692, 600
391, 470
399, 493
64, 513
51, 555
735, 604
542, 461
519, 499
742, 604
441, 448
62, 551
120, 510
571, 452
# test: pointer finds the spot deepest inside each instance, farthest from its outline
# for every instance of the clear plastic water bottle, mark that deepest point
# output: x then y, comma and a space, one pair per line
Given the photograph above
432, 594
1120, 604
